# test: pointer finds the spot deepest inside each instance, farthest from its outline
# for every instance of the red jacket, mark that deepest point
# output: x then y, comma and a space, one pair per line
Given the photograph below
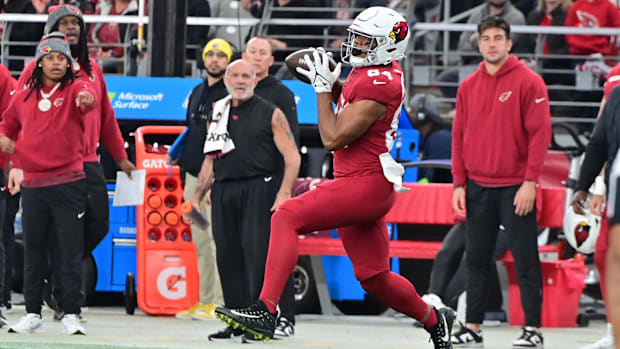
7, 89
595, 14
502, 126
50, 144
101, 124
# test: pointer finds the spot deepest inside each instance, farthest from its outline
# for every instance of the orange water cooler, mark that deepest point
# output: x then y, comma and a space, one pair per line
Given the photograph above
166, 257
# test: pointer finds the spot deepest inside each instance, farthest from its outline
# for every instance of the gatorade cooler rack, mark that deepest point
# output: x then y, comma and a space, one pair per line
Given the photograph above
166, 257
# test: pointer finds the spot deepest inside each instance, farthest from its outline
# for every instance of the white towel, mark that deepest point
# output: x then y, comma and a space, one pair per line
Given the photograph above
218, 140
393, 172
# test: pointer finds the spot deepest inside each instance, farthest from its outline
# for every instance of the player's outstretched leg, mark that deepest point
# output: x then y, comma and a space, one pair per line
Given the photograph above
255, 319
440, 332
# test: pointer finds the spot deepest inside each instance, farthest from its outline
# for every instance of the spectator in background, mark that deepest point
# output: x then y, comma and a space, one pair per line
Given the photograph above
233, 33
551, 13
468, 41
525, 6
258, 53
7, 88
23, 31
282, 47
216, 55
436, 137
592, 14
110, 33
87, 6
197, 35
500, 187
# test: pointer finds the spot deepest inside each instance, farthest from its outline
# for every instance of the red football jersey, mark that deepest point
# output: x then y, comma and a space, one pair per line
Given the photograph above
613, 79
385, 85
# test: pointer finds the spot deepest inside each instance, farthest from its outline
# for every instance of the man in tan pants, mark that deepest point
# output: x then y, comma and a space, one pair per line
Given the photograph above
216, 55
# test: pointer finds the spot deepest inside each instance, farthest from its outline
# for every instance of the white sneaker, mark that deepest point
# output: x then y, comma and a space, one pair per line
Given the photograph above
433, 300
6, 308
71, 325
3, 321
31, 323
606, 342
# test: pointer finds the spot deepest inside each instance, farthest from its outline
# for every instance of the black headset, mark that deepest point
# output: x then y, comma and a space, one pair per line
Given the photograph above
422, 108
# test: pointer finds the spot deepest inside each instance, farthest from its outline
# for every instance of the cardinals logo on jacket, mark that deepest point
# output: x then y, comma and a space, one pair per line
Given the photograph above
504, 96
587, 20
399, 32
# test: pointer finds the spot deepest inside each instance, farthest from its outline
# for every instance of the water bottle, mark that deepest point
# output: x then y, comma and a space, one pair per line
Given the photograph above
194, 215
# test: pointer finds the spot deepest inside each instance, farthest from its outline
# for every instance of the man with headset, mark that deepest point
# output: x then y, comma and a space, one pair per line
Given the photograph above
436, 137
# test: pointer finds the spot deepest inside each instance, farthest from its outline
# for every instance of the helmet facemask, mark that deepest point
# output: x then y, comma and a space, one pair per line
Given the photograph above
353, 53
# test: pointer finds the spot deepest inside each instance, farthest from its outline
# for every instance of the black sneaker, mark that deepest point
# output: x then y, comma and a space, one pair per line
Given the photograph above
255, 319
440, 333
467, 338
530, 338
227, 334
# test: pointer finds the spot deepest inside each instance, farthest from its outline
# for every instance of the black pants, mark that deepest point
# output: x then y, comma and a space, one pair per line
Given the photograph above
487, 208
3, 250
96, 221
8, 238
241, 229
449, 273
56, 210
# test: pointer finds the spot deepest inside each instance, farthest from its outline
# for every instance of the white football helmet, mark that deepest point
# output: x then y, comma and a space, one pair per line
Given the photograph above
386, 35
581, 230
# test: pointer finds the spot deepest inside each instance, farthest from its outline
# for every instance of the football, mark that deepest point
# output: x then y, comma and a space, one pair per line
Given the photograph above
297, 59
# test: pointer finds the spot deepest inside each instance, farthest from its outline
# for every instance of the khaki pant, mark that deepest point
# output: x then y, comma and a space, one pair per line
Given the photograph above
210, 287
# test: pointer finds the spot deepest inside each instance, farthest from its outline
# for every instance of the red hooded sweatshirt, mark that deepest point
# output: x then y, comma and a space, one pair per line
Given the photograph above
7, 90
592, 14
50, 144
101, 123
502, 126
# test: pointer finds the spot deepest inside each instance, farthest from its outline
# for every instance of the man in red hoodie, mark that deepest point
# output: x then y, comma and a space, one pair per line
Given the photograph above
50, 115
500, 136
101, 125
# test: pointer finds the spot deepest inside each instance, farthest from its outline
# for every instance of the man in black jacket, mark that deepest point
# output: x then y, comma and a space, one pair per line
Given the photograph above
613, 254
602, 149
216, 56
258, 52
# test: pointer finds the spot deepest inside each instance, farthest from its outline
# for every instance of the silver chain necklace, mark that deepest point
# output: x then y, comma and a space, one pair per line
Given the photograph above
45, 104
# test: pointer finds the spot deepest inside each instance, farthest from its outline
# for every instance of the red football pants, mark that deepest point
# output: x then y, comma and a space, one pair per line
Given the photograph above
600, 253
356, 206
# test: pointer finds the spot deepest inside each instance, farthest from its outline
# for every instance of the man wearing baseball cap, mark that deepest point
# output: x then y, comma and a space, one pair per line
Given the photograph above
50, 115
100, 127
216, 56
435, 135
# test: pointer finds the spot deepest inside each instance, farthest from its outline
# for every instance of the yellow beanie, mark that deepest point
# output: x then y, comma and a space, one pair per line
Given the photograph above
218, 44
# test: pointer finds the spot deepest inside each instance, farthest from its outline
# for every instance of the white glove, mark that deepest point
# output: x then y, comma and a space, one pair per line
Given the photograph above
321, 78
